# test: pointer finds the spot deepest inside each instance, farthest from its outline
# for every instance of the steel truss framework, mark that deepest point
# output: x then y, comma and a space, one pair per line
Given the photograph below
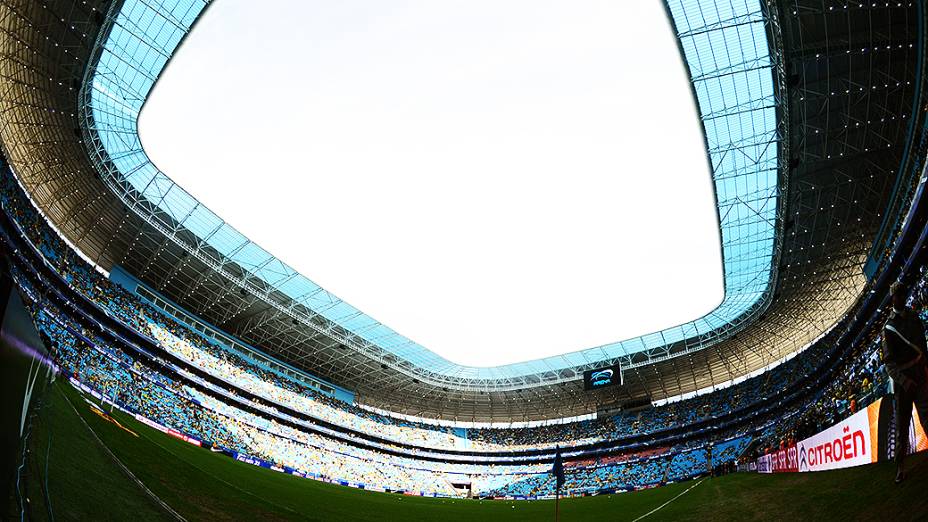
735, 91
845, 91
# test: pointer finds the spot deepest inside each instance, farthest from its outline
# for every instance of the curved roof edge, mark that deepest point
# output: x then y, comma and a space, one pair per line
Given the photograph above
734, 75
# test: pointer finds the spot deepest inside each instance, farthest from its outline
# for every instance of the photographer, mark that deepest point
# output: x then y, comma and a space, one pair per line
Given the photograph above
903, 353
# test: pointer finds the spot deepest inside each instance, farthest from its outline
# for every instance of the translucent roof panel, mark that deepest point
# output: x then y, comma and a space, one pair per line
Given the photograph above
724, 45
495, 202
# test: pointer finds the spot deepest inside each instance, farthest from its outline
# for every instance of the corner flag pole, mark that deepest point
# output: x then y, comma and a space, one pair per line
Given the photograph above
558, 470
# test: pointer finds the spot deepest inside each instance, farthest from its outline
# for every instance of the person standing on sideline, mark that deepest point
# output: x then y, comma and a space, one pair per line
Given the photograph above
904, 354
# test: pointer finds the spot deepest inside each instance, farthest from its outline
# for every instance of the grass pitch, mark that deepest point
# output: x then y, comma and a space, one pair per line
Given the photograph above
84, 482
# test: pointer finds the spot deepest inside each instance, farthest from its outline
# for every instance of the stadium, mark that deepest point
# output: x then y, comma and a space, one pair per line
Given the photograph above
159, 364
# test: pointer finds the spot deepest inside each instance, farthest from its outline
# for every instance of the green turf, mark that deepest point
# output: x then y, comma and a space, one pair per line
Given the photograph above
81, 479
202, 485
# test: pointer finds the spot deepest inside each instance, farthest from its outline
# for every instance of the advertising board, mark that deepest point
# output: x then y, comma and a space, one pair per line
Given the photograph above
865, 437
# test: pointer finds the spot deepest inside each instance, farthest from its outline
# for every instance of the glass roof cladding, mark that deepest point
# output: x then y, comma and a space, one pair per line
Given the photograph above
457, 181
724, 45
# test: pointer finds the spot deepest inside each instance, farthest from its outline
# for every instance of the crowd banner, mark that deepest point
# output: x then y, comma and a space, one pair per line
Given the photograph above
784, 460
865, 437
763, 464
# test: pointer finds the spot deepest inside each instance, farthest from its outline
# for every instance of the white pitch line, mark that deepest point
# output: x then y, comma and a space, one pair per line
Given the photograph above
177, 516
662, 506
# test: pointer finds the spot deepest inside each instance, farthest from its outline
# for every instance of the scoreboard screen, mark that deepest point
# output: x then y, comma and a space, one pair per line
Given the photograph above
602, 377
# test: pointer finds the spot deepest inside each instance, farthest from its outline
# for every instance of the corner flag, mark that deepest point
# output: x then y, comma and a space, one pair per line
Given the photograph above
558, 469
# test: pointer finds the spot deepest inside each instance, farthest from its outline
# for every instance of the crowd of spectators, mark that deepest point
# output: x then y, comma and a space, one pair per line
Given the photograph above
861, 381
233, 366
653, 420
184, 408
277, 388
627, 472
682, 465
188, 404
221, 364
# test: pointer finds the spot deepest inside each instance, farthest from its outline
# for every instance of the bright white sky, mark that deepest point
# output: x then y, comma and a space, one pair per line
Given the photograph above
497, 180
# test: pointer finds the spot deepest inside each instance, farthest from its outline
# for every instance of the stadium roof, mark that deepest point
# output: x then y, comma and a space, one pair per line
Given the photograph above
845, 85
491, 195
735, 93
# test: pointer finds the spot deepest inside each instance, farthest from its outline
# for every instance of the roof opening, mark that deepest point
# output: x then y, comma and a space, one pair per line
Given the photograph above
498, 182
